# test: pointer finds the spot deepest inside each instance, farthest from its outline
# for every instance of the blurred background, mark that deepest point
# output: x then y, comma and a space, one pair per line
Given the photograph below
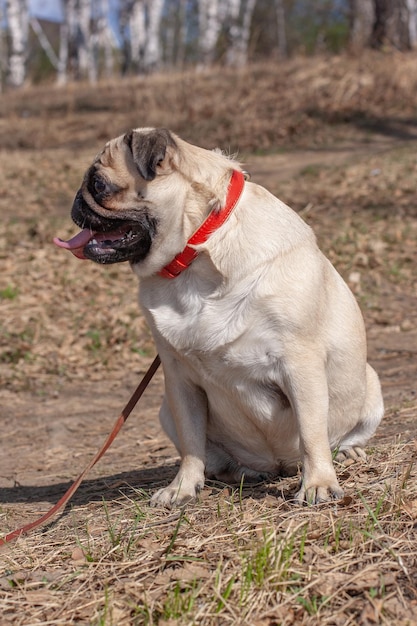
61, 40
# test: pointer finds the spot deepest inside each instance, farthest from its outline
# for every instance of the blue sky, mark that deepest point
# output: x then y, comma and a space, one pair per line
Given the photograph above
52, 9
46, 9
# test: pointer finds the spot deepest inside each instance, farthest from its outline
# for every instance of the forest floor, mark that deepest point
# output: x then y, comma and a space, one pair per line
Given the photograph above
73, 345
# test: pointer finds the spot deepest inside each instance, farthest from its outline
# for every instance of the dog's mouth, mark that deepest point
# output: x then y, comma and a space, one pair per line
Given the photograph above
107, 240
123, 244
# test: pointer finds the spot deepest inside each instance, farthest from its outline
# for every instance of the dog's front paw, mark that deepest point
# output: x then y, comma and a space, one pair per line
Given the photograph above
176, 495
317, 494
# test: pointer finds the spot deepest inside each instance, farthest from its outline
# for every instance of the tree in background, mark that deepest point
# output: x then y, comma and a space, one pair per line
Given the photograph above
17, 16
362, 18
209, 26
281, 33
228, 21
144, 36
140, 23
383, 23
239, 21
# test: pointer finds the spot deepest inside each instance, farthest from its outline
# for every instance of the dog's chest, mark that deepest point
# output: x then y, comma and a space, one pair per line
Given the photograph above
192, 318
222, 331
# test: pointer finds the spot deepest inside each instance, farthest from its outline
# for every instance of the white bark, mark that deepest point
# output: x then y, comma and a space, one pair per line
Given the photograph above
17, 22
85, 42
144, 26
105, 38
209, 26
241, 12
68, 58
152, 57
62, 75
137, 29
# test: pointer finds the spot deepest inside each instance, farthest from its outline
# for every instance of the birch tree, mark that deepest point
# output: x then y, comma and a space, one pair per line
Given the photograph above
143, 43
87, 67
240, 20
152, 57
62, 75
137, 32
106, 41
81, 35
17, 16
209, 26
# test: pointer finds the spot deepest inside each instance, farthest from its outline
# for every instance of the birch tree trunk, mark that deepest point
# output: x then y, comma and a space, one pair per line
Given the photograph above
87, 67
68, 54
62, 75
240, 19
209, 25
105, 38
78, 46
18, 22
152, 57
137, 30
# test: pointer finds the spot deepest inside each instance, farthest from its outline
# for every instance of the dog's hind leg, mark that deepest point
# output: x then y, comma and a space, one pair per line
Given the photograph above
352, 445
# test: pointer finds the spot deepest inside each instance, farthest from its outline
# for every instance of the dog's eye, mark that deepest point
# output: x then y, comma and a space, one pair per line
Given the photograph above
99, 185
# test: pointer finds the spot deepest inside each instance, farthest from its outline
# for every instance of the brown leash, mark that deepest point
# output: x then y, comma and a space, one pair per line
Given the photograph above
112, 436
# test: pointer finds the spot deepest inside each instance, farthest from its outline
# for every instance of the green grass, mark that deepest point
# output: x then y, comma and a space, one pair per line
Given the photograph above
9, 293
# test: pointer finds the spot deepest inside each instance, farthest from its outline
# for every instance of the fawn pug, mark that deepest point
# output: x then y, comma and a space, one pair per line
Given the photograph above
262, 343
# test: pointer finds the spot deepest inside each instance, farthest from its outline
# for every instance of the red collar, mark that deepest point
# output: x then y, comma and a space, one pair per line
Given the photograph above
212, 223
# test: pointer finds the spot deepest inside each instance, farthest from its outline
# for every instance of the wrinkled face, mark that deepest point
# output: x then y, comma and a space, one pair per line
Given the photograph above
111, 206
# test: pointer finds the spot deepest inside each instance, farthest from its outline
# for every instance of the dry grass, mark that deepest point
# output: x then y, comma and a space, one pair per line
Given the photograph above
303, 102
242, 555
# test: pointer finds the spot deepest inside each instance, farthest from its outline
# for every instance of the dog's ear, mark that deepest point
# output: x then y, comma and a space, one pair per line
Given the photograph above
149, 149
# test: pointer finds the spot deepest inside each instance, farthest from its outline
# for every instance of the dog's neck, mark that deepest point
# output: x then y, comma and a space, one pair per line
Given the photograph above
214, 220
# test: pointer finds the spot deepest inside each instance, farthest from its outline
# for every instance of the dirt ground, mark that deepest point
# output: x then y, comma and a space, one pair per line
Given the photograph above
73, 345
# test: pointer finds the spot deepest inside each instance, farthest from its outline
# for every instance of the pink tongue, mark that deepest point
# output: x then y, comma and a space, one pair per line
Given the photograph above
77, 243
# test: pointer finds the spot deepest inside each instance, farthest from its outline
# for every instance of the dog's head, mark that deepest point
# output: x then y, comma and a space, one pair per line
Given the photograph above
144, 196
113, 205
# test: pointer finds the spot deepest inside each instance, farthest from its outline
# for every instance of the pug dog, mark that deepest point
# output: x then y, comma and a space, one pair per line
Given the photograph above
262, 343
